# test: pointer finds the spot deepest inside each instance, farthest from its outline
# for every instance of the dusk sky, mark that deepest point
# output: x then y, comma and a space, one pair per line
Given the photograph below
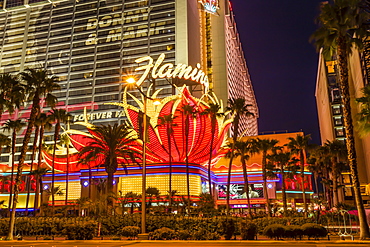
281, 61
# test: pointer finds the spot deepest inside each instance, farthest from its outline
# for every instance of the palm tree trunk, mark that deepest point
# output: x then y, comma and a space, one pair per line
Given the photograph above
109, 191
187, 123
39, 159
246, 187
350, 141
14, 139
302, 184
229, 179
34, 112
67, 175
283, 189
264, 177
335, 184
170, 173
90, 179
34, 147
56, 133
213, 130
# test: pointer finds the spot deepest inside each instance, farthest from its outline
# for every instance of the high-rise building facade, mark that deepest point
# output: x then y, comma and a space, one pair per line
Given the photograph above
329, 107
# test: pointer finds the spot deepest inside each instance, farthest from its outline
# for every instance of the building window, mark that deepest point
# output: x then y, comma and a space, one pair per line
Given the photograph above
338, 121
339, 132
336, 110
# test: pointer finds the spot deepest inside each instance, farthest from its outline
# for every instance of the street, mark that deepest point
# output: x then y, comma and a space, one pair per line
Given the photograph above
96, 243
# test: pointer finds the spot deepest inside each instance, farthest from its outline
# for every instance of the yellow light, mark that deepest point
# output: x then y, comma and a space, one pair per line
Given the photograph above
156, 102
131, 80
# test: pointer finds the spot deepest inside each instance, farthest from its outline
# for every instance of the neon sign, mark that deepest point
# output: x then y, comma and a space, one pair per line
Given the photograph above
210, 6
168, 70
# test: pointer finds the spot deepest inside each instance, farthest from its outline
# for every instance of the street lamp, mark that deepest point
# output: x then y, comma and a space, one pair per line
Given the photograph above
132, 80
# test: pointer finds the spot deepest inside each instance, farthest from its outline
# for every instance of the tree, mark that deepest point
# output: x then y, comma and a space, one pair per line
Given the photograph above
188, 112
44, 121
38, 84
58, 116
152, 192
363, 119
14, 127
245, 149
213, 111
337, 152
132, 199
299, 145
38, 173
342, 25
4, 141
238, 109
110, 143
167, 120
64, 140
264, 146
285, 164
11, 93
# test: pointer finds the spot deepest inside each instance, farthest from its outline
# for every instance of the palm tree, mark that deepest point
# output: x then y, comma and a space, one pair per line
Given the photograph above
213, 111
188, 112
284, 162
364, 114
344, 24
4, 141
64, 140
264, 146
14, 127
152, 192
38, 84
337, 152
110, 143
167, 120
299, 145
11, 93
58, 116
244, 149
38, 173
44, 122
131, 199
34, 149
238, 109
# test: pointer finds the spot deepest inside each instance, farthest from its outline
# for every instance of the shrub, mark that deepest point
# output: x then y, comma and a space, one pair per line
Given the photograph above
131, 232
293, 232
274, 231
314, 230
80, 230
183, 234
228, 226
248, 230
163, 233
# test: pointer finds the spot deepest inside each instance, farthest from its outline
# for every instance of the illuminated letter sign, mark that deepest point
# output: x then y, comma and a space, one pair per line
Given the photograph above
210, 6
168, 70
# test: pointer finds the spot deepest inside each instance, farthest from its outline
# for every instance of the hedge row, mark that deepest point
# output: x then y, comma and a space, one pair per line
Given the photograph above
129, 225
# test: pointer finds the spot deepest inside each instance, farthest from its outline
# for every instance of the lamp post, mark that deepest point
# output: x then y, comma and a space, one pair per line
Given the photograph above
131, 80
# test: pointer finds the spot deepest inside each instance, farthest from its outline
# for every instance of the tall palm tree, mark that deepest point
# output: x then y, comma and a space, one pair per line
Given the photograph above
264, 146
58, 116
342, 25
337, 152
64, 140
111, 143
34, 149
38, 173
167, 120
44, 121
11, 93
214, 112
188, 113
238, 109
245, 149
299, 145
38, 84
14, 127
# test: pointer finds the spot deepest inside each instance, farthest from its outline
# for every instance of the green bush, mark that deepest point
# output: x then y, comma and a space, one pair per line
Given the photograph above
248, 230
293, 231
130, 232
228, 226
163, 233
183, 235
276, 231
314, 230
80, 230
